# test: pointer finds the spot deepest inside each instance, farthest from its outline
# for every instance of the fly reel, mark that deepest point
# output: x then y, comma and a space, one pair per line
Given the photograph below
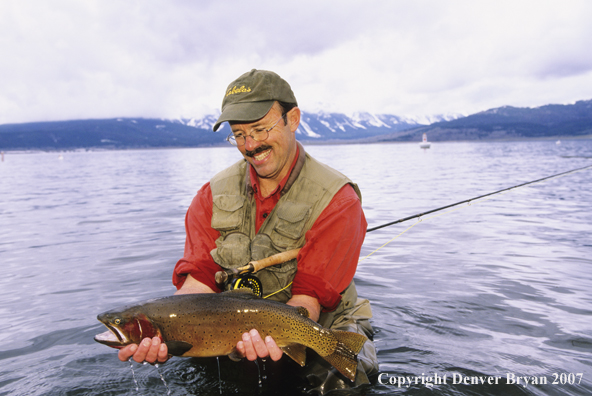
248, 282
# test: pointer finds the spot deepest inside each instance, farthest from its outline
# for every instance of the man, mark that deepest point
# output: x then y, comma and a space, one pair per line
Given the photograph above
277, 199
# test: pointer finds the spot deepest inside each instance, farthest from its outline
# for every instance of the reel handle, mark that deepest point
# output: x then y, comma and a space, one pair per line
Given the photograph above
254, 266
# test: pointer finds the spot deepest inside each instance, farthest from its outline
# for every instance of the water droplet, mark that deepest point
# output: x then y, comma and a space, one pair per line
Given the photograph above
134, 374
259, 373
162, 378
219, 376
263, 373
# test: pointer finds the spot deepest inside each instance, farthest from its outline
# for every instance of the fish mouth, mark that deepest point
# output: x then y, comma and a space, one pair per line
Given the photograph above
113, 337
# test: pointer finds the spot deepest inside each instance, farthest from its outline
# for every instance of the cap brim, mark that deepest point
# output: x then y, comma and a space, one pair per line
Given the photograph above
244, 112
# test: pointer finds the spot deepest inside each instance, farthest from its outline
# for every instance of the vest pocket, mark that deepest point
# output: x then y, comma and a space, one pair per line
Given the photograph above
232, 251
278, 278
289, 228
262, 247
228, 216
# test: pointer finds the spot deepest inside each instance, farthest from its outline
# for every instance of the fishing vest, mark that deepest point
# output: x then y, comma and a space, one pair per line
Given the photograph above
309, 189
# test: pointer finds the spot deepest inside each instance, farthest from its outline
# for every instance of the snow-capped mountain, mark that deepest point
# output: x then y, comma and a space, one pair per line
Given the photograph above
337, 126
500, 123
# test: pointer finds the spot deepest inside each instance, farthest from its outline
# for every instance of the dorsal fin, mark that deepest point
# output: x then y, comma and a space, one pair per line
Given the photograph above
303, 311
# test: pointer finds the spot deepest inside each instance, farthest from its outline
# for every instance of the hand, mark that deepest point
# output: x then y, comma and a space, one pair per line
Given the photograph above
252, 347
153, 351
193, 286
149, 350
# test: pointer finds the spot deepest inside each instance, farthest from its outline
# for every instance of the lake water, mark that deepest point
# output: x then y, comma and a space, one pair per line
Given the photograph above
499, 287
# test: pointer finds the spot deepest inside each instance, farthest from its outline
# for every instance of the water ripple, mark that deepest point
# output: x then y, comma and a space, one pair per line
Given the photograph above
499, 286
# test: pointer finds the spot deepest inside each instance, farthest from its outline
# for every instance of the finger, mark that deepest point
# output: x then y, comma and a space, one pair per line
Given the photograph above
163, 353
152, 354
240, 348
127, 352
250, 353
142, 351
258, 344
275, 353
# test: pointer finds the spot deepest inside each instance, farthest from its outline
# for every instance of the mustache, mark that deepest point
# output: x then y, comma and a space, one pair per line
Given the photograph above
258, 150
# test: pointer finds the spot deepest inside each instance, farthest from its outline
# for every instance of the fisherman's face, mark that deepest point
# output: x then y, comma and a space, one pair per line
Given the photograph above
272, 157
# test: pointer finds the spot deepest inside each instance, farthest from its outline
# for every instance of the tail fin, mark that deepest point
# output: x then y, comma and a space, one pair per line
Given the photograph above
354, 341
345, 356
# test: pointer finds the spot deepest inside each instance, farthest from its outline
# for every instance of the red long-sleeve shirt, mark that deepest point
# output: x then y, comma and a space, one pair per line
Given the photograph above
326, 263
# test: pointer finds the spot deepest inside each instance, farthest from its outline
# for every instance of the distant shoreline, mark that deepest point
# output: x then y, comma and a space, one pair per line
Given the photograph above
305, 143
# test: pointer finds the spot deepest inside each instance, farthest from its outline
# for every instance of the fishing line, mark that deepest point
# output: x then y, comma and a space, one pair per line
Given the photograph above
419, 221
467, 201
282, 289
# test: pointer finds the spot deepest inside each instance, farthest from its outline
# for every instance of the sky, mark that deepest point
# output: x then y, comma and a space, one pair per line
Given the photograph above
81, 59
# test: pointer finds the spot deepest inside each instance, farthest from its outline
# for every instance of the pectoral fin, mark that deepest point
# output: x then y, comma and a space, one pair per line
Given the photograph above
235, 356
178, 348
297, 352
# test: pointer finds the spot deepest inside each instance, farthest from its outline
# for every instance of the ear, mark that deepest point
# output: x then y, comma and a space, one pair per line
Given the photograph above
294, 119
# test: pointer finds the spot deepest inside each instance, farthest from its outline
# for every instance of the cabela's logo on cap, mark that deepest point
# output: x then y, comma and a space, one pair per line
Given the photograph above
236, 90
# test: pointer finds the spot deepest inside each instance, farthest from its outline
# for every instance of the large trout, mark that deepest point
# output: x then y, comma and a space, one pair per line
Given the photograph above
205, 325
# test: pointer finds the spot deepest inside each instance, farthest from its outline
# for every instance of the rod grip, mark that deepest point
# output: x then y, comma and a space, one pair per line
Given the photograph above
274, 260
254, 266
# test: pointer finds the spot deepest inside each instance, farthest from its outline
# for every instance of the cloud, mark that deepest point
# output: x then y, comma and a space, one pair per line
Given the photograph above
68, 59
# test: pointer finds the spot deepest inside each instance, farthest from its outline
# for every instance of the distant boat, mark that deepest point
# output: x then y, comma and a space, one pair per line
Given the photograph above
424, 142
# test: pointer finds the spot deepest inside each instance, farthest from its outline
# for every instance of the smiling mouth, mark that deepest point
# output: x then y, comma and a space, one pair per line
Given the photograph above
260, 153
262, 156
260, 149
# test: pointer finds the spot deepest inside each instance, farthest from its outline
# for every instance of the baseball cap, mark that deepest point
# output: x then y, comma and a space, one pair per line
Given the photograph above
251, 96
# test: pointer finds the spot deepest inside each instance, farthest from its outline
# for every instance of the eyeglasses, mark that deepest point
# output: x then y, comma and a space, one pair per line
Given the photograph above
258, 135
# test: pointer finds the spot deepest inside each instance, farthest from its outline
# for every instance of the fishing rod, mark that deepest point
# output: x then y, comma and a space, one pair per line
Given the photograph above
473, 199
241, 278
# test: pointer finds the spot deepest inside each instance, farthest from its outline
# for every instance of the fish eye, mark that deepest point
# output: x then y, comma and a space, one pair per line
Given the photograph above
117, 321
